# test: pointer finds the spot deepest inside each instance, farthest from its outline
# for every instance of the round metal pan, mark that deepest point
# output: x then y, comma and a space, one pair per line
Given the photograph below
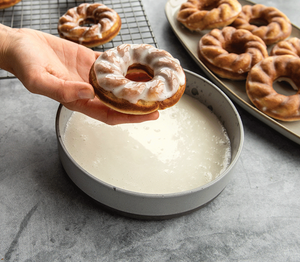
160, 206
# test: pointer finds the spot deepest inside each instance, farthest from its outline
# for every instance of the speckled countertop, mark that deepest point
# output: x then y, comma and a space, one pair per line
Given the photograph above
45, 217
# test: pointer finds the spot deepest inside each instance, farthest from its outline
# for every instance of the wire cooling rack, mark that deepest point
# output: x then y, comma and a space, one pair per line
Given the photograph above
43, 15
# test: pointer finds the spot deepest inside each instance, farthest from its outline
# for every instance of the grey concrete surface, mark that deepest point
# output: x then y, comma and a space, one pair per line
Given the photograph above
45, 217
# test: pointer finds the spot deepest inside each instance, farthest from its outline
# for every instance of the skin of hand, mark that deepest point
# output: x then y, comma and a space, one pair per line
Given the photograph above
58, 69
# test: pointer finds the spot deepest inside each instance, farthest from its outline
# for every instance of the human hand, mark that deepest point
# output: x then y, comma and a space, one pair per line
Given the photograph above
58, 69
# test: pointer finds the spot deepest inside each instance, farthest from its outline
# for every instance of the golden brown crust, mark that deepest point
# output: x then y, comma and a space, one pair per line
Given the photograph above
287, 47
259, 87
8, 3
106, 24
273, 25
199, 15
230, 52
124, 106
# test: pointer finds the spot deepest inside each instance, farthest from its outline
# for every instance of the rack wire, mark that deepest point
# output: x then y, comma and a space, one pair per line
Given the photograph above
43, 15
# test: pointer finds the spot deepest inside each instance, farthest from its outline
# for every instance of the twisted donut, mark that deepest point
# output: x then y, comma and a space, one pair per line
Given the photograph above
8, 3
230, 52
287, 47
164, 88
278, 26
259, 87
207, 14
106, 24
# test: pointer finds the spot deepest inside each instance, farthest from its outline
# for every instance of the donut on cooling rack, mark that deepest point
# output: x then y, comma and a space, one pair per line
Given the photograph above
198, 15
287, 47
105, 24
268, 23
8, 3
231, 53
115, 84
259, 87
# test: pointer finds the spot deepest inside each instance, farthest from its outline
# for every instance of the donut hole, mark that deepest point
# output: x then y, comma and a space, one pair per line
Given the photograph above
285, 86
258, 22
139, 73
207, 7
88, 22
235, 47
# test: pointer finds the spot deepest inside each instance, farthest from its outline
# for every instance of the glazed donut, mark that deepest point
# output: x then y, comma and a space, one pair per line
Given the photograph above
108, 76
106, 24
272, 25
230, 53
199, 15
259, 87
8, 3
287, 47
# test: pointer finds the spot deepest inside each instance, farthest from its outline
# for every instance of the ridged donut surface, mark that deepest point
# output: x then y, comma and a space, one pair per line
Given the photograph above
259, 87
230, 52
164, 89
199, 15
268, 23
105, 24
287, 47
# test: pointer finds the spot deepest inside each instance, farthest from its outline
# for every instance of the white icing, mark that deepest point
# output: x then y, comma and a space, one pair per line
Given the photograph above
74, 22
187, 147
167, 72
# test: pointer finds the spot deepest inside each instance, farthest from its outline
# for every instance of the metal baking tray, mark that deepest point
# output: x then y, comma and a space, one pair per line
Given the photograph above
234, 89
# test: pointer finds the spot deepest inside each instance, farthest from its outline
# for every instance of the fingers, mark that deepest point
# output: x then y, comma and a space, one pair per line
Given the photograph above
73, 91
97, 54
114, 117
79, 96
61, 90
96, 109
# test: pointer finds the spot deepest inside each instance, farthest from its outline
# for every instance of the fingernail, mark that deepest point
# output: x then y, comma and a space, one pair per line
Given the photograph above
86, 94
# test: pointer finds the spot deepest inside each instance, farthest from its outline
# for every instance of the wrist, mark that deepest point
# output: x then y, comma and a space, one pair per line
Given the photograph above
5, 40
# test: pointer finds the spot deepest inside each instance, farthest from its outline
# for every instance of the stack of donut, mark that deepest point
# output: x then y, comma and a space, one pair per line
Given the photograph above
236, 49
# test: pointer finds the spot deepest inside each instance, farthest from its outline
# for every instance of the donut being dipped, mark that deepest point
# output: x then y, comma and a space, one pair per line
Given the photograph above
259, 87
137, 79
198, 15
8, 3
268, 23
230, 53
105, 24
